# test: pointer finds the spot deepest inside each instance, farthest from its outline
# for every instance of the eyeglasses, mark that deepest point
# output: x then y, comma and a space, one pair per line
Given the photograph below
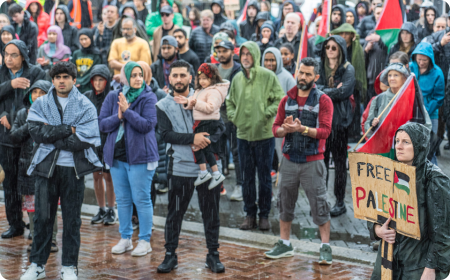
165, 15
333, 48
12, 55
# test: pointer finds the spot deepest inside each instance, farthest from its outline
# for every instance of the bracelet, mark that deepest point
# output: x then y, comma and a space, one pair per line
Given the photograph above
306, 131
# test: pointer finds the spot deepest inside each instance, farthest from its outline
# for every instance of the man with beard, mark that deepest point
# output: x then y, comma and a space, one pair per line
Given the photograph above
228, 68
184, 52
304, 119
128, 48
175, 125
167, 28
337, 16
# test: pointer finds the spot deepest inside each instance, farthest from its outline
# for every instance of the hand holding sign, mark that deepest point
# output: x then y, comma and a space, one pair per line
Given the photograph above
385, 233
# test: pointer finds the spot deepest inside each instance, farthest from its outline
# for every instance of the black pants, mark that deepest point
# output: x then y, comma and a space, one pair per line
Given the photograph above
65, 185
206, 155
230, 135
181, 190
337, 146
9, 160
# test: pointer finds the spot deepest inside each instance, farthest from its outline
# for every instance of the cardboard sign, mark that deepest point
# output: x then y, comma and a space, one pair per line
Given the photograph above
383, 188
232, 5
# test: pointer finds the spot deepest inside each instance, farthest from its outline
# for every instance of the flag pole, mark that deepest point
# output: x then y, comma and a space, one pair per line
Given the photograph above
300, 47
379, 116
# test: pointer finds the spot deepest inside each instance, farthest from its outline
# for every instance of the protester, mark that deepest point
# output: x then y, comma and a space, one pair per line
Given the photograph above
5, 6
81, 13
267, 38
201, 38
351, 17
440, 24
413, 13
182, 172
26, 29
338, 16
251, 105
4, 20
260, 19
21, 135
167, 28
128, 48
218, 8
431, 14
217, 38
7, 33
141, 9
266, 7
232, 26
178, 8
248, 26
194, 18
407, 40
100, 81
184, 52
65, 154
368, 23
286, 8
293, 35
85, 58
54, 50
304, 120
337, 80
362, 8
40, 17
70, 33
104, 32
287, 54
154, 20
427, 258
129, 9
16, 75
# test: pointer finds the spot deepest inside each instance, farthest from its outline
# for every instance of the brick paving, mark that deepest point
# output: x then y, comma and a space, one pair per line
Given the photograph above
97, 262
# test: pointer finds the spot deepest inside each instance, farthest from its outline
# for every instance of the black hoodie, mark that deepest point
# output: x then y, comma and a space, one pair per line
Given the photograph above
342, 9
219, 18
248, 28
427, 29
11, 99
136, 13
411, 28
28, 34
69, 32
20, 135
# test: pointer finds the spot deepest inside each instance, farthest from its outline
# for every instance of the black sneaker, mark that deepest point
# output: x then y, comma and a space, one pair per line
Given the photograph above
170, 263
213, 263
161, 189
98, 219
110, 217
338, 209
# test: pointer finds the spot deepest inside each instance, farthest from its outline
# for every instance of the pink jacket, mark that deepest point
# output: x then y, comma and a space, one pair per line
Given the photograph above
209, 101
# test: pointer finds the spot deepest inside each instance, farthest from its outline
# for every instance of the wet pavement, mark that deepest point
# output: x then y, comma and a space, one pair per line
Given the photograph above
97, 262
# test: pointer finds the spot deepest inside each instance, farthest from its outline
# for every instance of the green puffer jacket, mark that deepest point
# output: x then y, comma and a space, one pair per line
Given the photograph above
154, 20
433, 196
252, 102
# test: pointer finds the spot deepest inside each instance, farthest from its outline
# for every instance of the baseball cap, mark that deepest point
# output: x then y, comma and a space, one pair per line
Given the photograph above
226, 45
169, 40
166, 10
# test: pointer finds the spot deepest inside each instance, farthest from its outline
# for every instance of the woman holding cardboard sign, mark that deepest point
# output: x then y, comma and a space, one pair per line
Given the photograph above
429, 257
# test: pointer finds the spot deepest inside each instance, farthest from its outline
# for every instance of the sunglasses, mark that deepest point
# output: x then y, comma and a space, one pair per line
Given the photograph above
164, 15
333, 48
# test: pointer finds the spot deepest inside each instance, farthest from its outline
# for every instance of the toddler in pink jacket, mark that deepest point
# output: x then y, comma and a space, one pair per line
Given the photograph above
205, 104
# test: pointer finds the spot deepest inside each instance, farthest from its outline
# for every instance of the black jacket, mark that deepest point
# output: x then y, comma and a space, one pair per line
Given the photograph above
345, 74
411, 28
342, 9
191, 58
10, 98
296, 44
28, 34
366, 25
69, 32
48, 6
200, 42
20, 135
248, 28
257, 35
158, 72
219, 18
427, 30
375, 60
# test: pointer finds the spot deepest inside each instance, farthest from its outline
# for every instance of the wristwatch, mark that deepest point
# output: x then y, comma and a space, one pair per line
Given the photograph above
306, 131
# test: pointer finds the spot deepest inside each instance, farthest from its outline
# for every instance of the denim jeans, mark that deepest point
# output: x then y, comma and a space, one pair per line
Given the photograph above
257, 154
132, 184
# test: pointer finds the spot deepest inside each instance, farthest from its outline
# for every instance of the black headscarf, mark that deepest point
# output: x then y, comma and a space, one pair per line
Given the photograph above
92, 49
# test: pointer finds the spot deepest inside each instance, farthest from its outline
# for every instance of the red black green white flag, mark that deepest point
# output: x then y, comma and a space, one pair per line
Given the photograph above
390, 22
324, 26
401, 181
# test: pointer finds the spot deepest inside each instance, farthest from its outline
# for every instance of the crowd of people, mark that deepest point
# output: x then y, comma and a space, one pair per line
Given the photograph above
170, 101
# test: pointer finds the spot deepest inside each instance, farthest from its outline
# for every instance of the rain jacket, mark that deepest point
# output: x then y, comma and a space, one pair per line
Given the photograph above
431, 82
342, 9
345, 74
43, 21
411, 28
427, 30
21, 136
257, 35
279, 22
248, 28
28, 34
136, 14
11, 99
433, 196
375, 60
355, 25
252, 102
219, 18
233, 24
70, 33
285, 78
154, 19
366, 25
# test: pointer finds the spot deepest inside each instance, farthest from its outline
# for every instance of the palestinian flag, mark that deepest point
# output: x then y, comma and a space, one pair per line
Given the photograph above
324, 26
401, 112
390, 22
52, 13
401, 181
303, 47
243, 15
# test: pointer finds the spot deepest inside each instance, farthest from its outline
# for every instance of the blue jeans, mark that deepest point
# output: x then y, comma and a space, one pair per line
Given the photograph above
132, 184
257, 154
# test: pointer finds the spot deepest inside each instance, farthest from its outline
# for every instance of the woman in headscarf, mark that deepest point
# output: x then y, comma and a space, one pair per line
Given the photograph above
7, 34
429, 257
85, 58
54, 50
129, 117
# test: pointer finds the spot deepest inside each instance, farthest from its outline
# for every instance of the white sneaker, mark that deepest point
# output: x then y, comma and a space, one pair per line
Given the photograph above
202, 178
123, 246
237, 194
231, 166
68, 273
142, 249
216, 180
33, 272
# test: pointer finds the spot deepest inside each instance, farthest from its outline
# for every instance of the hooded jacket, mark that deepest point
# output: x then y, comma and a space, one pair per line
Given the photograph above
11, 30
219, 18
375, 60
136, 13
285, 78
296, 43
154, 19
355, 16
431, 82
21, 136
411, 28
233, 26
427, 30
433, 196
366, 5
342, 9
366, 25
252, 101
279, 22
28, 34
11, 99
70, 33
42, 21
257, 35
248, 28
345, 74
200, 42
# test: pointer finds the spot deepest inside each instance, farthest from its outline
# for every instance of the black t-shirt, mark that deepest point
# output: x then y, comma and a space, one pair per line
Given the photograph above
120, 150
166, 31
191, 57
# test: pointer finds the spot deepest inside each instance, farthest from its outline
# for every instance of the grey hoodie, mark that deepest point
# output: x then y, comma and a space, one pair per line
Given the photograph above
285, 78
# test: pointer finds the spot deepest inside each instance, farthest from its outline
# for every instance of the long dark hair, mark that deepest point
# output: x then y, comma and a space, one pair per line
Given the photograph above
215, 79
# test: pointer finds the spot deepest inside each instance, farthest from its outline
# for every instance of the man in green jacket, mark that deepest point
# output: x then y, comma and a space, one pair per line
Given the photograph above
252, 104
154, 20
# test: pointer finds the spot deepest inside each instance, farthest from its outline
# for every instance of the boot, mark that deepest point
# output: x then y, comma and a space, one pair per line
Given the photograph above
338, 209
249, 223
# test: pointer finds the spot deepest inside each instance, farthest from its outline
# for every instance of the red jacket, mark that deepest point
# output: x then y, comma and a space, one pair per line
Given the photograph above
43, 21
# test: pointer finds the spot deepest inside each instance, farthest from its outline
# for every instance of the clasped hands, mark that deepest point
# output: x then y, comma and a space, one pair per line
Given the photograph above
123, 105
290, 125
